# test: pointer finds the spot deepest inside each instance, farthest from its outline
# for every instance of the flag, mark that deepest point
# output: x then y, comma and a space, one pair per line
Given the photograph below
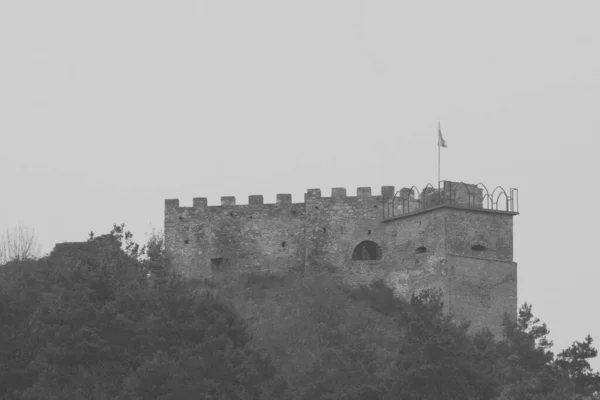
441, 141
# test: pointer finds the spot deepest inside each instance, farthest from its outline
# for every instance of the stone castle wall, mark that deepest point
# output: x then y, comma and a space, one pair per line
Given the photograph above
435, 238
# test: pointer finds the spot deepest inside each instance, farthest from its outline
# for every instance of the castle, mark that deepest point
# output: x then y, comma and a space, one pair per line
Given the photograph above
457, 237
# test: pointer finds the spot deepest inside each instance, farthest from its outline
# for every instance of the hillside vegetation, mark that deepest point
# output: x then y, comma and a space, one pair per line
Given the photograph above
109, 319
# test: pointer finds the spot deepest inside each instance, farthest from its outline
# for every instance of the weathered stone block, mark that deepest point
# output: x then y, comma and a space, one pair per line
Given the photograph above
255, 199
363, 192
228, 200
283, 199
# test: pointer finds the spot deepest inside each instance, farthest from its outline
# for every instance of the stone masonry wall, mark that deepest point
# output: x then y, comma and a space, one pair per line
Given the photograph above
461, 248
482, 291
321, 231
417, 256
479, 254
480, 234
208, 240
336, 225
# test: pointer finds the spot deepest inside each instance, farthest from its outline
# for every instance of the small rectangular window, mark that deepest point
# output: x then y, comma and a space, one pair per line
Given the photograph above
216, 263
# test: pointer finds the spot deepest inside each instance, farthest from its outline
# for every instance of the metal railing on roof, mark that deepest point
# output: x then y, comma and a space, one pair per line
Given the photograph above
411, 200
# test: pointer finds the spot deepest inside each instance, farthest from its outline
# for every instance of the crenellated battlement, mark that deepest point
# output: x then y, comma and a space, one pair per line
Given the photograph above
284, 199
394, 203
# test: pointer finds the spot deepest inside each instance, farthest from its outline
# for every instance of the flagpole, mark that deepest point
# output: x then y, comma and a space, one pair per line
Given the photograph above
439, 130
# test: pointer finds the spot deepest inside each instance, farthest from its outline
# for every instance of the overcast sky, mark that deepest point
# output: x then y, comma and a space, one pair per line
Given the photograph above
109, 107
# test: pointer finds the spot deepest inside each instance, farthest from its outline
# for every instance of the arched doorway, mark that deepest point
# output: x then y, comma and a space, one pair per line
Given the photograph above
367, 250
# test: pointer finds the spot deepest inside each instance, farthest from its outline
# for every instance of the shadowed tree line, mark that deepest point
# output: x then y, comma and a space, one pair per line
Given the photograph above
110, 319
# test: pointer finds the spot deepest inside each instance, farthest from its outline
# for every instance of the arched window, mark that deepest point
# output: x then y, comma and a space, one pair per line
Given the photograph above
367, 250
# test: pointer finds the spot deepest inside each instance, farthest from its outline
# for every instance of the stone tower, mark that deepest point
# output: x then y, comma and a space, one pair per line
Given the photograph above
458, 238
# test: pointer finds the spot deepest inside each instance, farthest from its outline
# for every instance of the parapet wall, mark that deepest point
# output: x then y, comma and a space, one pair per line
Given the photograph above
457, 194
393, 203
282, 199
405, 200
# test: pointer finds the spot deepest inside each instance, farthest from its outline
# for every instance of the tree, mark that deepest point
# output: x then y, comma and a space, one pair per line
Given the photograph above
88, 325
155, 257
438, 359
573, 364
19, 244
152, 256
530, 371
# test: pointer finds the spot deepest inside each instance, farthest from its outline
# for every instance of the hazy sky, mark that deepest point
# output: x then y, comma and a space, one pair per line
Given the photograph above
109, 107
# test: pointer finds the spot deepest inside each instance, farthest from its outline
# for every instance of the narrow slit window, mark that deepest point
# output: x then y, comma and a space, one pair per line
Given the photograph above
478, 247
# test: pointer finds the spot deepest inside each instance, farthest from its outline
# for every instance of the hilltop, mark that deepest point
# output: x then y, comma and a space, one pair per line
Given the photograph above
109, 319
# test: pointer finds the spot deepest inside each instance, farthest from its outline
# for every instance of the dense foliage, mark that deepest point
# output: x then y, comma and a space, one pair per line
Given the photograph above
91, 325
109, 319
